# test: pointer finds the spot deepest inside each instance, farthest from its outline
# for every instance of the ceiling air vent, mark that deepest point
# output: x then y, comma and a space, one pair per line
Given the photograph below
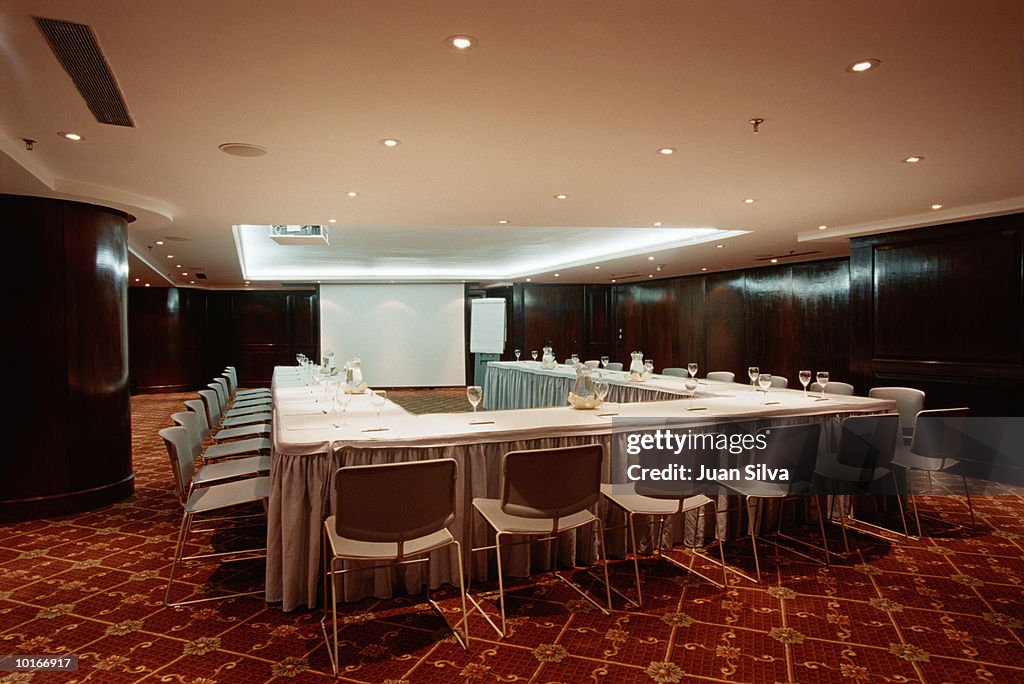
77, 50
200, 276
299, 235
791, 255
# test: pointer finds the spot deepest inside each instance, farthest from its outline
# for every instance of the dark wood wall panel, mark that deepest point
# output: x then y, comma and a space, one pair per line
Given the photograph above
553, 314
725, 323
941, 309
71, 449
181, 337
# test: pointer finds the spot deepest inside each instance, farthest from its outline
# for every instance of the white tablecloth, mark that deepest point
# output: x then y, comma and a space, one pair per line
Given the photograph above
308, 448
524, 384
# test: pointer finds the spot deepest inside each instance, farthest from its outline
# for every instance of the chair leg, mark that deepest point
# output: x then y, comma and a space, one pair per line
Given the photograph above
636, 552
821, 526
752, 523
501, 583
179, 551
967, 493
899, 502
718, 540
842, 520
462, 592
603, 560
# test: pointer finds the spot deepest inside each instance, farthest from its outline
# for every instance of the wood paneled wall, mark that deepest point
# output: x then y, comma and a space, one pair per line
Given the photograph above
69, 446
180, 338
940, 309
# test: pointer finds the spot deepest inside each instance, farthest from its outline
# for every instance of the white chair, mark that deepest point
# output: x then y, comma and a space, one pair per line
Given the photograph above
232, 376
544, 493
593, 363
182, 441
834, 387
676, 372
909, 402
198, 500
212, 410
220, 385
194, 420
614, 366
390, 514
240, 416
937, 445
721, 376
779, 382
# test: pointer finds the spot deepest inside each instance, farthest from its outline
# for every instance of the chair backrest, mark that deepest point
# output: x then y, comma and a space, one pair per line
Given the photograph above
176, 439
551, 483
190, 421
835, 387
721, 376
615, 365
794, 448
212, 403
594, 363
938, 433
868, 442
909, 402
198, 407
395, 502
221, 385
232, 390
676, 372
233, 374
779, 381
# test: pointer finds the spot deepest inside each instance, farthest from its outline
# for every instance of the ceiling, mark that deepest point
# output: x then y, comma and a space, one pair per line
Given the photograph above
555, 98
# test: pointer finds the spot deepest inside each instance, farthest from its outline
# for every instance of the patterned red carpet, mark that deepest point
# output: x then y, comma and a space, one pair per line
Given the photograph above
947, 609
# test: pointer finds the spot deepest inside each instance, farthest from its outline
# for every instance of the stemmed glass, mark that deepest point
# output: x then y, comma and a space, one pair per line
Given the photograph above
805, 380
601, 389
604, 362
691, 368
316, 380
343, 398
753, 372
378, 398
534, 354
822, 380
518, 352
765, 381
691, 388
331, 389
475, 394
575, 359
299, 357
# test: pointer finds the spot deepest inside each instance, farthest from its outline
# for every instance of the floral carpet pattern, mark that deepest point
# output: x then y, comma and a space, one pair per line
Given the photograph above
946, 608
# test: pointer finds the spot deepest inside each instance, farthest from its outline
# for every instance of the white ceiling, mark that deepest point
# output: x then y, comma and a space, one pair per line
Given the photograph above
557, 97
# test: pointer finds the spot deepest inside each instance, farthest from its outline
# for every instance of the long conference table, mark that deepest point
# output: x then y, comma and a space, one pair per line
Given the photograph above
311, 443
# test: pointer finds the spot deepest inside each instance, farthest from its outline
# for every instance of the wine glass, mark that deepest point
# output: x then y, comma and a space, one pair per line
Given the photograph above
691, 388
575, 359
822, 380
604, 362
765, 381
805, 380
378, 398
475, 394
331, 388
753, 372
343, 398
691, 368
316, 380
298, 358
534, 354
518, 352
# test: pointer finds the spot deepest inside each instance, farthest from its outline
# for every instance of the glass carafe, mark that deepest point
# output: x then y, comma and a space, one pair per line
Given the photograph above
548, 360
637, 364
354, 373
584, 390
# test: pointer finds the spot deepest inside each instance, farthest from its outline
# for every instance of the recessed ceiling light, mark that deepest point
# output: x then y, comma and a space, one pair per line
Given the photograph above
557, 274
71, 135
246, 282
656, 224
936, 206
332, 220
650, 258
704, 268
184, 273
177, 265
650, 276
159, 242
775, 261
719, 246
242, 149
503, 221
862, 65
913, 160
147, 284
460, 42
613, 280
822, 227
137, 279
529, 280
390, 142
560, 196
749, 200
191, 282
658, 269
170, 256
352, 194
666, 150
597, 268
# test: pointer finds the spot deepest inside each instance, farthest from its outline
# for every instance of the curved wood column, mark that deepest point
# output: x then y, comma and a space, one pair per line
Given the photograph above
69, 437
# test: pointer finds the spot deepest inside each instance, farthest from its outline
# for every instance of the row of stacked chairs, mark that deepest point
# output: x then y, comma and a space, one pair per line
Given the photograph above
219, 449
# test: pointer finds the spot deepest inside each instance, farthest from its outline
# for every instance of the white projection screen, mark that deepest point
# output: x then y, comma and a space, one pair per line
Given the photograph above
406, 335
